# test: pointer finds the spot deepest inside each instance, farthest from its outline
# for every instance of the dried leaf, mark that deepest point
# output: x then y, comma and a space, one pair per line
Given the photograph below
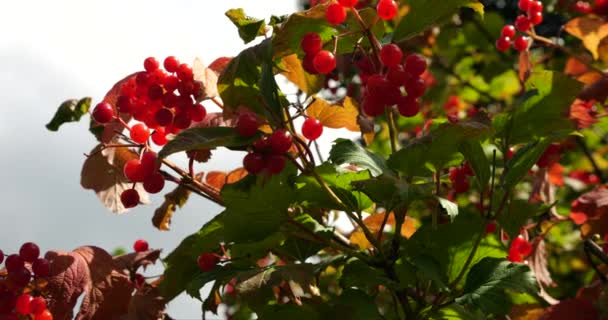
147, 304
374, 222
343, 114
102, 172
174, 199
218, 179
597, 90
583, 113
220, 64
538, 263
299, 277
590, 29
525, 66
294, 72
135, 260
590, 206
207, 78
526, 312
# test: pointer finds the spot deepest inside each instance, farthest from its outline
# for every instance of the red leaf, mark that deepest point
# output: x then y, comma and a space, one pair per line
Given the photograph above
135, 260
147, 304
571, 309
590, 205
583, 113
220, 64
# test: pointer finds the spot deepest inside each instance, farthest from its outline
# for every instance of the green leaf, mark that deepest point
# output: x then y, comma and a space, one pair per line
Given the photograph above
205, 138
352, 304
391, 192
346, 151
69, 111
430, 269
522, 161
517, 214
474, 154
425, 14
181, 268
288, 311
357, 273
270, 90
486, 284
299, 277
220, 273
456, 312
450, 207
300, 244
249, 28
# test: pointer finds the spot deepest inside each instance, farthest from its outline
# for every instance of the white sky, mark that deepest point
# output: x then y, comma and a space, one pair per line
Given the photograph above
54, 50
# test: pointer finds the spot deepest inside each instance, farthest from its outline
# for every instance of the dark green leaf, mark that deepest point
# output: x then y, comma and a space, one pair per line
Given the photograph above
288, 311
425, 14
353, 304
205, 138
69, 111
346, 151
474, 154
486, 284
301, 244
270, 90
522, 161
249, 28
358, 274
517, 214
391, 192
220, 273
299, 277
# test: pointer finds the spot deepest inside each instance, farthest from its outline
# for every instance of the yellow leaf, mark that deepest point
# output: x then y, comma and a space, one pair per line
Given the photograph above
590, 29
526, 312
343, 114
294, 72
374, 223
174, 199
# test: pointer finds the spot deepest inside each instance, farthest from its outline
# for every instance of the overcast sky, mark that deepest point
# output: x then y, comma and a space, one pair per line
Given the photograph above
54, 50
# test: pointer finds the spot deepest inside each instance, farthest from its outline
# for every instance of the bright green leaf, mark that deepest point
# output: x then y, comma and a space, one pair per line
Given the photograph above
249, 28
69, 111
349, 152
522, 161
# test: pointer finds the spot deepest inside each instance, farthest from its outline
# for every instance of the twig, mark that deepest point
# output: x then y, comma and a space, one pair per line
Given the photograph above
598, 172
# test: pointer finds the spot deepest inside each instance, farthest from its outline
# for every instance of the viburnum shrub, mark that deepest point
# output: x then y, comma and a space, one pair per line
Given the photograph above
467, 181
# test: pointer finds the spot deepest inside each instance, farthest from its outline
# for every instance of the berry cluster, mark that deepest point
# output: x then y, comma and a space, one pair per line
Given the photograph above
387, 89
316, 60
19, 292
144, 170
520, 249
268, 153
459, 177
533, 15
336, 12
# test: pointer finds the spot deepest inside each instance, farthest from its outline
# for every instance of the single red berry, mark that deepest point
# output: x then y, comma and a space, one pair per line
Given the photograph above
14, 262
521, 43
170, 83
140, 133
254, 162
335, 13
491, 227
535, 7
154, 183
503, 43
280, 141
391, 55
324, 62
133, 170
24, 303
183, 119
149, 163
29, 251
372, 106
207, 261
20, 277
536, 18
348, 3
159, 137
382, 90
262, 145
308, 64
275, 163
45, 315
583, 7
522, 23
522, 246
247, 124
460, 186
198, 112
38, 305
163, 117
129, 198
124, 104
524, 5
185, 73
508, 31
396, 75
41, 267
311, 43
171, 64
103, 112
550, 156
155, 92
151, 64
415, 87
387, 9
312, 129
140, 245
415, 65
408, 106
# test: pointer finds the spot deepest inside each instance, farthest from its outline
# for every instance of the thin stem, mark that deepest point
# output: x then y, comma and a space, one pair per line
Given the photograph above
382, 226
392, 128
599, 273
552, 44
208, 190
217, 102
182, 183
598, 172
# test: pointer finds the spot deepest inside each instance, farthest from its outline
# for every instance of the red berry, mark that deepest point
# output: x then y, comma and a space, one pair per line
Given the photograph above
491, 227
155, 92
171, 64
521, 43
140, 245
254, 162
348, 3
14, 262
182, 120
154, 183
312, 129
335, 13
308, 64
396, 75
391, 55
550, 156
20, 277
129, 198
41, 267
24, 303
508, 31
536, 18
503, 43
372, 106
262, 145
149, 164
387, 9
140, 133
275, 163
460, 186
247, 124
133, 170
382, 90
198, 112
324, 62
535, 7
163, 117
1, 256
151, 64
124, 104
524, 5
185, 73
29, 251
38, 305
159, 137
103, 112
45, 315
408, 106
207, 261
170, 83
415, 65
415, 87
522, 23
311, 43
280, 141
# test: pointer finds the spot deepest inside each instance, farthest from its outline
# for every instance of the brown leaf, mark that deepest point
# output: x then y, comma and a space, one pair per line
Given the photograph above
89, 270
590, 206
174, 199
102, 172
597, 91
147, 304
135, 260
590, 29
525, 66
374, 223
571, 309
215, 119
207, 78
583, 114
340, 115
218, 179
220, 64
538, 263
294, 72
526, 312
